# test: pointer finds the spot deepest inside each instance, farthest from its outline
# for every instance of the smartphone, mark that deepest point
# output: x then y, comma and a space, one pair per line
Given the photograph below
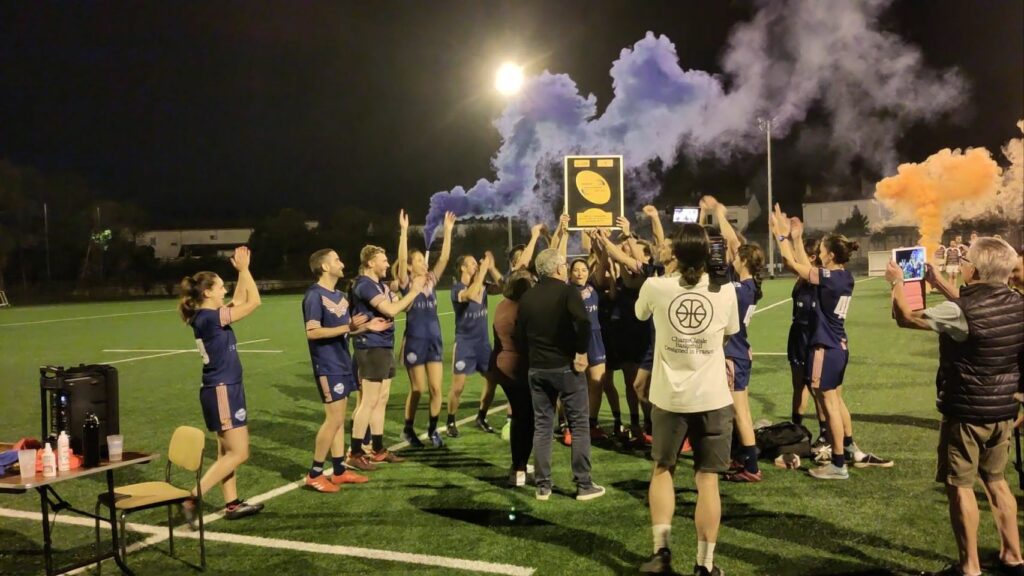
911, 261
685, 214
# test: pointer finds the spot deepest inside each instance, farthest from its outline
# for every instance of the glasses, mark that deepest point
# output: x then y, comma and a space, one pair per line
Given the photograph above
964, 259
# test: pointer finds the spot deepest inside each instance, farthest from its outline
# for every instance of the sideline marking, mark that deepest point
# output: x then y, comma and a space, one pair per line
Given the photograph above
159, 533
85, 318
173, 352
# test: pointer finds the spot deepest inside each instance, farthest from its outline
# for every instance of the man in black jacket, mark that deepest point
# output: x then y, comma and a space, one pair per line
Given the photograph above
981, 343
553, 330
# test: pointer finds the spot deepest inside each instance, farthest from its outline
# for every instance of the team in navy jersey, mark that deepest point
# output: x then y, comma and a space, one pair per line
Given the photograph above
221, 394
829, 350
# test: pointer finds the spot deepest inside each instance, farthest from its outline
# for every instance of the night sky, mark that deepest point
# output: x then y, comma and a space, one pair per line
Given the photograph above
216, 113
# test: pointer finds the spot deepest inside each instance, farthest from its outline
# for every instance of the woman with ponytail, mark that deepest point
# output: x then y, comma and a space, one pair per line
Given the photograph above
829, 353
221, 395
746, 264
689, 390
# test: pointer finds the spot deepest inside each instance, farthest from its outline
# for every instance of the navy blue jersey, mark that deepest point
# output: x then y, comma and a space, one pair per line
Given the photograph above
834, 290
746, 292
365, 293
591, 295
217, 346
323, 308
470, 316
421, 318
805, 303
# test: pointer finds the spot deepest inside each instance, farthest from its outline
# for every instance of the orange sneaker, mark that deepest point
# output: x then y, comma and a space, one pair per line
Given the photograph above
321, 484
386, 456
349, 477
567, 437
686, 447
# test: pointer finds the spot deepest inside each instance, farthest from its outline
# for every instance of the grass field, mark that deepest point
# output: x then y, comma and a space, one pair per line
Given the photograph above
448, 511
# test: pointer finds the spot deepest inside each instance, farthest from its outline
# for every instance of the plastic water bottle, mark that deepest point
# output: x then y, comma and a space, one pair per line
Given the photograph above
91, 441
63, 452
49, 462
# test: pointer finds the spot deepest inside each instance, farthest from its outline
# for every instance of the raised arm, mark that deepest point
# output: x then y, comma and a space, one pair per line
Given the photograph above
475, 290
246, 298
497, 279
732, 240
446, 246
779, 224
562, 235
393, 309
527, 254
796, 234
616, 254
402, 274
905, 317
656, 228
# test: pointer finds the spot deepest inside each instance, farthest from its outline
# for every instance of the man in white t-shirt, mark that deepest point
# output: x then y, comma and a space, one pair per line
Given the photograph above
690, 392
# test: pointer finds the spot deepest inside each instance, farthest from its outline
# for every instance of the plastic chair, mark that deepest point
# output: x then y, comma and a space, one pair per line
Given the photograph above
185, 451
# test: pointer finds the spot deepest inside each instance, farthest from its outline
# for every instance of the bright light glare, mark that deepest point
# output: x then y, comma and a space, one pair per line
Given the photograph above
509, 79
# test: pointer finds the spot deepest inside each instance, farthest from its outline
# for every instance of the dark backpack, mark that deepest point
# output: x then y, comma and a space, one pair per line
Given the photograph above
783, 438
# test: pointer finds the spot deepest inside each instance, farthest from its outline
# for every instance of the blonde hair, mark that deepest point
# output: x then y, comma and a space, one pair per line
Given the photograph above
993, 258
368, 253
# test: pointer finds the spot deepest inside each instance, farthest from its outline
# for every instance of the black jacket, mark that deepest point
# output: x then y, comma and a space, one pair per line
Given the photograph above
977, 378
552, 325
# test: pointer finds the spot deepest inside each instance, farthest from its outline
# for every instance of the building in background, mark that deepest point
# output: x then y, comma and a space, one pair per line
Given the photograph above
172, 244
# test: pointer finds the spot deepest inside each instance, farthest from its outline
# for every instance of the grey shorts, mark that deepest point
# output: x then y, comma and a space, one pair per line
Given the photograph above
375, 364
710, 435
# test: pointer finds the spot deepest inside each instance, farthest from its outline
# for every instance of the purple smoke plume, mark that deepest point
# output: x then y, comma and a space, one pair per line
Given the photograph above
792, 55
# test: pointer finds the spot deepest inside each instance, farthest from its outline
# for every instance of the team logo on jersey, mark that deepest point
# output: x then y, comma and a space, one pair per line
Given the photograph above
460, 365
690, 313
339, 388
411, 357
339, 308
826, 272
240, 414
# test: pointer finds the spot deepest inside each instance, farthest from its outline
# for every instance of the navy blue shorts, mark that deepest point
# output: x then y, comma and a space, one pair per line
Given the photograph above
223, 406
419, 351
595, 350
738, 372
469, 357
826, 367
611, 347
334, 387
635, 343
799, 344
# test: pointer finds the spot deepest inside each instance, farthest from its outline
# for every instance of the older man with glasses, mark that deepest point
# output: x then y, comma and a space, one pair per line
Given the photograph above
553, 329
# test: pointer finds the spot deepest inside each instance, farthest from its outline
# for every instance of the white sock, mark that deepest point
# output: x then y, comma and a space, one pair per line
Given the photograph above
709, 555
662, 532
702, 549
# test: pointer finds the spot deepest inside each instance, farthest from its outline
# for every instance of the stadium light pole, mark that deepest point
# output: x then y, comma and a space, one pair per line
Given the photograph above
508, 80
766, 126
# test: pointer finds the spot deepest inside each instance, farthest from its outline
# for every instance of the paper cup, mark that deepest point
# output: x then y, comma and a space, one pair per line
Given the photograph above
27, 463
115, 447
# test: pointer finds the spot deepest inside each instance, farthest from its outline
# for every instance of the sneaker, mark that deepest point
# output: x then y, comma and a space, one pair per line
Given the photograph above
648, 439
659, 563
435, 439
517, 478
190, 510
867, 460
597, 434
686, 447
359, 462
321, 484
349, 477
830, 472
735, 466
242, 510
996, 565
594, 491
742, 475
409, 435
821, 450
567, 436
387, 457
543, 493
482, 424
703, 571
453, 430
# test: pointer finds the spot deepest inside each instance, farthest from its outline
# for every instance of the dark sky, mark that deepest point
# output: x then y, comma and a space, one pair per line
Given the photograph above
215, 112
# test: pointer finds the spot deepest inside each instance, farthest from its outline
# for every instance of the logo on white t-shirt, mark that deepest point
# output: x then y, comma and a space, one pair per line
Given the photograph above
690, 313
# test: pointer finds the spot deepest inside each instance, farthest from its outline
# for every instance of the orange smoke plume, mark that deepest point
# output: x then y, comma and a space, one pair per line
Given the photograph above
924, 194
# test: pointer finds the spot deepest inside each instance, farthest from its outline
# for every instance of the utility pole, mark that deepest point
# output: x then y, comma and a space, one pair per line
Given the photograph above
766, 127
46, 236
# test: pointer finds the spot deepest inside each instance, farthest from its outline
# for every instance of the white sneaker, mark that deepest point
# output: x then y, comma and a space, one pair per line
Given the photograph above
830, 472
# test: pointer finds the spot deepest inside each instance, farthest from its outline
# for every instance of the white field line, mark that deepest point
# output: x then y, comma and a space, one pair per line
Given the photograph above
769, 353
191, 350
51, 321
159, 533
781, 302
173, 352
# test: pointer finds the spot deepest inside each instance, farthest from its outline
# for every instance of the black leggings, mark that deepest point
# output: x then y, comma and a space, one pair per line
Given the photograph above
521, 437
